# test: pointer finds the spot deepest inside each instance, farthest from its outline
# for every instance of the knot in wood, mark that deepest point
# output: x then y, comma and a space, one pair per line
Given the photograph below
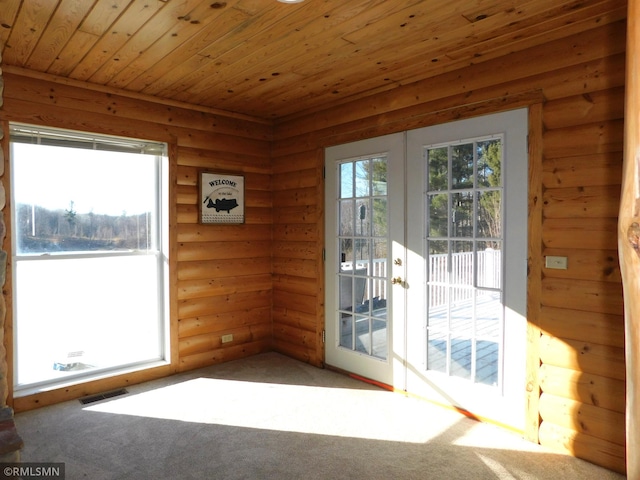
633, 235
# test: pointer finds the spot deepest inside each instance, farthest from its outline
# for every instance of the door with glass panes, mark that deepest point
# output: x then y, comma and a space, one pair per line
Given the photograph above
433, 265
364, 233
467, 238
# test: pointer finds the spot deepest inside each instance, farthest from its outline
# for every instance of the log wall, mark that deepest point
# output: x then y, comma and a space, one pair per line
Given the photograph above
220, 275
575, 87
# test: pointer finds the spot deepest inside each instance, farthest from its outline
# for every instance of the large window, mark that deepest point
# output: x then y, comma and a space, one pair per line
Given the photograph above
89, 255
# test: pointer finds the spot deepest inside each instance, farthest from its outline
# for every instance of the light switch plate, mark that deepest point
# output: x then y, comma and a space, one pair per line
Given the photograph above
559, 263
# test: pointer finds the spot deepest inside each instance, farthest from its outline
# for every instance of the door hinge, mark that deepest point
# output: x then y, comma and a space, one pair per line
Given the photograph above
324, 255
323, 336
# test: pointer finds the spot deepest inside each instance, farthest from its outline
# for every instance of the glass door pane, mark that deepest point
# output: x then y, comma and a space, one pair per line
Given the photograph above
363, 253
464, 237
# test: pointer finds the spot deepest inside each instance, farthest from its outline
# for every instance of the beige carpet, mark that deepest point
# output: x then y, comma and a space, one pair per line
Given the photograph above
271, 417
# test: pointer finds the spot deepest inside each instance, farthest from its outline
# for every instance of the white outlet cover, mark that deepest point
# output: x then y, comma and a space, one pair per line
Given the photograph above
559, 263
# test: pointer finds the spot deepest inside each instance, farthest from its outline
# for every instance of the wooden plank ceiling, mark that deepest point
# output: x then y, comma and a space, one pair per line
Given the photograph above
274, 60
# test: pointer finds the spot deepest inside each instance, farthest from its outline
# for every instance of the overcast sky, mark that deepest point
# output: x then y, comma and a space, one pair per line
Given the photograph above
96, 181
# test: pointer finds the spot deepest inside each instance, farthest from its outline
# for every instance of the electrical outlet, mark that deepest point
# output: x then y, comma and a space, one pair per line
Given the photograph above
227, 338
559, 263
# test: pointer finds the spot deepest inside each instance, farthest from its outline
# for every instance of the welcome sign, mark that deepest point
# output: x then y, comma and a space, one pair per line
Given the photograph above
221, 198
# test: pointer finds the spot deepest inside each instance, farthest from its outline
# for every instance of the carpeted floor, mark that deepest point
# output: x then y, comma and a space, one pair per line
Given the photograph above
271, 417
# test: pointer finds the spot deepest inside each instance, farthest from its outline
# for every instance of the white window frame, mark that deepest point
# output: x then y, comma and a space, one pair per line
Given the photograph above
101, 142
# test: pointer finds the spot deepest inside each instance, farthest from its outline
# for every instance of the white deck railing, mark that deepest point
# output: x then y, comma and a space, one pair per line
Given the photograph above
378, 270
489, 271
440, 276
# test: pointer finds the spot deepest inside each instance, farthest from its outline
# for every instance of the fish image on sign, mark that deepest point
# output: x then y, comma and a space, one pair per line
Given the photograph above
222, 198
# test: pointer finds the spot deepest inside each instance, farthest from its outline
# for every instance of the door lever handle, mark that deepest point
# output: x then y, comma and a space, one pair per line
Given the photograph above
397, 281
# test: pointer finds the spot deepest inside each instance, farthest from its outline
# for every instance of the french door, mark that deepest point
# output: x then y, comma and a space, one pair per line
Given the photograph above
364, 233
426, 262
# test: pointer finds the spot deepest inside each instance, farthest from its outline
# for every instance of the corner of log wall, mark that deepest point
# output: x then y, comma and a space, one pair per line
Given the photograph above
10, 442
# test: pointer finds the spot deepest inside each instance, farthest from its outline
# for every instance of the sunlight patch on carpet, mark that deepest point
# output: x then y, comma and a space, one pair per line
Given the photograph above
342, 412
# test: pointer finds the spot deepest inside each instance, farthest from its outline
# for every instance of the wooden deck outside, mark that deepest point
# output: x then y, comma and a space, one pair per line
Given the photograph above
472, 345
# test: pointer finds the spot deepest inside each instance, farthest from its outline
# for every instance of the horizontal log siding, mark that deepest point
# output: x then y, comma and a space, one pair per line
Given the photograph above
579, 311
297, 256
221, 275
581, 318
